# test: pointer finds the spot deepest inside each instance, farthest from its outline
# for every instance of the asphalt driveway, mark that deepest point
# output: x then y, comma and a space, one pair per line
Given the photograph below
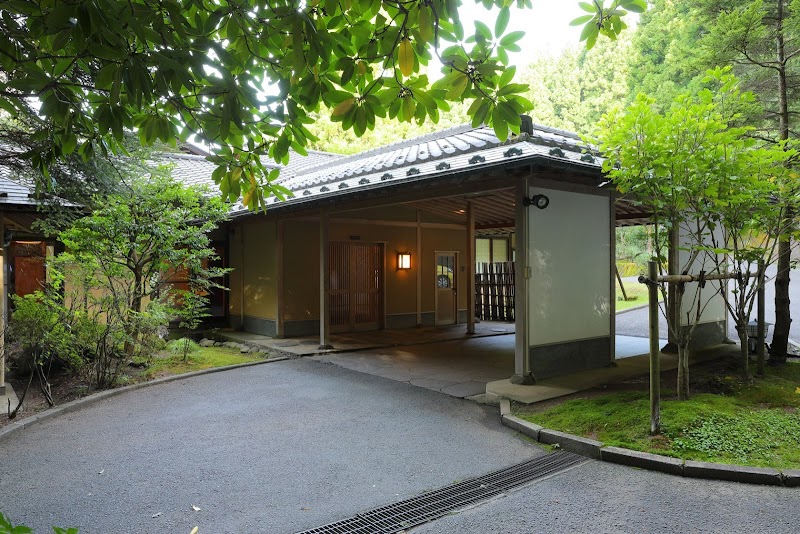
292, 445
274, 448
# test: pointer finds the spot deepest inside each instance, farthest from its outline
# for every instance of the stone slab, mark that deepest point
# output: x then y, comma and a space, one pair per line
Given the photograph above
505, 407
733, 473
522, 426
643, 460
583, 446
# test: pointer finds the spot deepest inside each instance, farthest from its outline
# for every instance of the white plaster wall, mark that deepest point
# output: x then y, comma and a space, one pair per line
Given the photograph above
569, 255
712, 305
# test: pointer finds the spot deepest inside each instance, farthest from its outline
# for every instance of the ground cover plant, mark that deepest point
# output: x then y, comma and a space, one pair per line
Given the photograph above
175, 361
728, 421
636, 293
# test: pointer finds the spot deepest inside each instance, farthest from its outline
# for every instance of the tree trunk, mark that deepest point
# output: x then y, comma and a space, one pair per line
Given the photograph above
136, 307
683, 371
783, 320
683, 343
744, 353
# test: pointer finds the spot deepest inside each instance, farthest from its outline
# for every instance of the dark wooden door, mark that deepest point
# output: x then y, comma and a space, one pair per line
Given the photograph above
29, 266
356, 286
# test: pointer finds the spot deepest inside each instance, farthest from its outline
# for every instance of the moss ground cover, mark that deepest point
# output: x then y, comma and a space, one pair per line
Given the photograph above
756, 424
202, 358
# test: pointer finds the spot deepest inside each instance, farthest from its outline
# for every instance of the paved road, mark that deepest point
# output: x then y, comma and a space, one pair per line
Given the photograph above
634, 323
269, 449
292, 445
596, 498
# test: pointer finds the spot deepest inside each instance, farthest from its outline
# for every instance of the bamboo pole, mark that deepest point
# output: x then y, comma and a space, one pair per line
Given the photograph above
655, 364
687, 278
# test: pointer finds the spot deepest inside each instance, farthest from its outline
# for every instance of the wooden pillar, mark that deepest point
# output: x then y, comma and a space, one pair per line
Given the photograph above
612, 309
280, 229
241, 276
324, 283
522, 363
3, 305
419, 268
470, 269
655, 362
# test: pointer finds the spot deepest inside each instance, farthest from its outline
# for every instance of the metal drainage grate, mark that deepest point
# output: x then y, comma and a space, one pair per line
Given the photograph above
434, 504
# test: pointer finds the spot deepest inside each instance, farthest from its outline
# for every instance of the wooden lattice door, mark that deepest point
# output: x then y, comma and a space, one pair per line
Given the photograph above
356, 286
29, 271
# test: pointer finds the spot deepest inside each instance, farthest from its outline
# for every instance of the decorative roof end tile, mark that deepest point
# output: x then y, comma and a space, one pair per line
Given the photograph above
306, 193
443, 166
557, 152
476, 159
363, 181
513, 151
343, 185
412, 171
324, 189
587, 158
386, 176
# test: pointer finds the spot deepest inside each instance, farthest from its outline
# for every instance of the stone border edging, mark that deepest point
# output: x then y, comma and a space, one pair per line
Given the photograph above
654, 462
94, 398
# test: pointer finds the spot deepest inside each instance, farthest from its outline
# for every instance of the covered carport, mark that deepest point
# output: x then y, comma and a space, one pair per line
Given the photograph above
385, 241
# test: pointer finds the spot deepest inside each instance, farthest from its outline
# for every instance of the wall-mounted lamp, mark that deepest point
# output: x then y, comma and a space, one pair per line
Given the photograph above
540, 201
403, 261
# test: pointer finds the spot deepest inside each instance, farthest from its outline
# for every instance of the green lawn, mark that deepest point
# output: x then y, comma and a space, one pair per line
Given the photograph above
636, 292
202, 358
756, 425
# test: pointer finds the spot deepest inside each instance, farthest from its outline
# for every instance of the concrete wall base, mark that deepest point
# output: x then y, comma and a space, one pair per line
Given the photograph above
563, 358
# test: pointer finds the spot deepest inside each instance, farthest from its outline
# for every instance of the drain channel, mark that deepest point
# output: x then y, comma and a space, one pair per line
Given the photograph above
434, 504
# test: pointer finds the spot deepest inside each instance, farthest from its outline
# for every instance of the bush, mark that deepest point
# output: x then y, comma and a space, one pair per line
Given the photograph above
182, 346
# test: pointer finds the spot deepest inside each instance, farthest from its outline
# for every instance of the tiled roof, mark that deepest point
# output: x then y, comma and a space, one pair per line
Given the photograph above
196, 170
455, 150
15, 193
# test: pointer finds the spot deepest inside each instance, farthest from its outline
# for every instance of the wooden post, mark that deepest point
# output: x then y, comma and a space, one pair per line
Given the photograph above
619, 279
522, 361
419, 268
655, 364
3, 304
324, 283
760, 318
280, 230
612, 256
241, 276
470, 269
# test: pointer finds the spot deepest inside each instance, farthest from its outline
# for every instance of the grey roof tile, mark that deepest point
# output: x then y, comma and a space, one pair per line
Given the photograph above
459, 149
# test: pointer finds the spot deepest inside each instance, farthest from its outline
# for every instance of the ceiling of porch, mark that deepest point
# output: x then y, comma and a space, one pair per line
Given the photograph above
495, 210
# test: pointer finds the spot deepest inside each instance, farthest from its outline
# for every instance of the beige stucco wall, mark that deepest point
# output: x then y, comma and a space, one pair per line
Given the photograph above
301, 260
255, 272
301, 270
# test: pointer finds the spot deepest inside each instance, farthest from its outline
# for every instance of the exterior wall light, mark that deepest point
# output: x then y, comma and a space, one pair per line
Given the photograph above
540, 201
403, 261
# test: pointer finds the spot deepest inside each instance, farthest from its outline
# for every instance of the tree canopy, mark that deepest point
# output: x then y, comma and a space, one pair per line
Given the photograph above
246, 76
703, 176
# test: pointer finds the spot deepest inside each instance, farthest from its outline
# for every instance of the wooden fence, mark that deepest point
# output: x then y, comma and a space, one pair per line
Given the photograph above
494, 291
